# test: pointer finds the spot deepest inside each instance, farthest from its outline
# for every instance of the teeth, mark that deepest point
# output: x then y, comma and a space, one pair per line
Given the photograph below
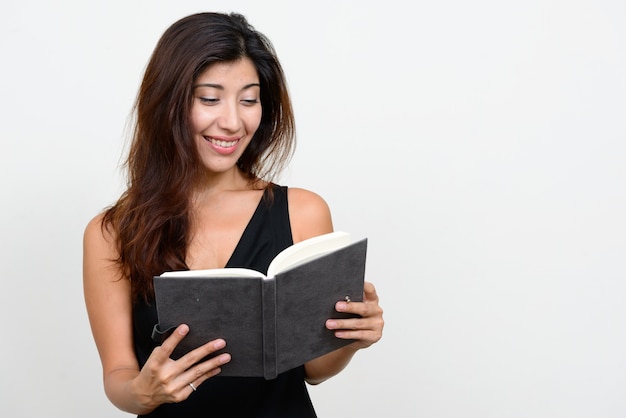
222, 144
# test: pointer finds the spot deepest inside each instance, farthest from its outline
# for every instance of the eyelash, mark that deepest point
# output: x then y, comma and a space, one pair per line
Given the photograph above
208, 100
211, 101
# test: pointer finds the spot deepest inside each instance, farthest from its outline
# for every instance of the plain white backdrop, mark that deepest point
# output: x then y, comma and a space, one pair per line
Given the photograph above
479, 145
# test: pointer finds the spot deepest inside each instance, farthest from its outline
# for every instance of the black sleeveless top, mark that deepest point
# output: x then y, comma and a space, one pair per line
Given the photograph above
267, 233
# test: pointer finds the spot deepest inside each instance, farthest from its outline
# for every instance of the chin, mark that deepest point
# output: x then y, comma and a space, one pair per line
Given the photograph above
220, 168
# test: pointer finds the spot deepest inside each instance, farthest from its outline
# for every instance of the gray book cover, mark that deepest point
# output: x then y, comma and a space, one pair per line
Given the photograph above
271, 324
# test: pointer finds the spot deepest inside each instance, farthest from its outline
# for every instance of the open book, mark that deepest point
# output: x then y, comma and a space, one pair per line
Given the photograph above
271, 323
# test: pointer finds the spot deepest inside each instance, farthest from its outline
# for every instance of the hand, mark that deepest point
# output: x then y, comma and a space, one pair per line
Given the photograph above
163, 380
367, 329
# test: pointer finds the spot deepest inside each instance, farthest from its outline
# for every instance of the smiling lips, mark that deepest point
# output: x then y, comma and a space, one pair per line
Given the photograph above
223, 146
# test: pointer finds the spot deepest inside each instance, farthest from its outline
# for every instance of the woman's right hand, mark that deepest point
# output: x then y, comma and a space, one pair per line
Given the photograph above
163, 380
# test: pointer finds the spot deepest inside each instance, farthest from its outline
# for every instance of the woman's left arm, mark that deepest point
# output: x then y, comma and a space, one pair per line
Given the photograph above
310, 216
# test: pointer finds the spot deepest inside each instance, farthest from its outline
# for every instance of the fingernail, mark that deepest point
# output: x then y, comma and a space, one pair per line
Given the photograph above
331, 324
224, 358
219, 344
183, 330
341, 306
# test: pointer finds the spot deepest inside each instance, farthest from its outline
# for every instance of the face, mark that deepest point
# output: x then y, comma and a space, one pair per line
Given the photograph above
226, 113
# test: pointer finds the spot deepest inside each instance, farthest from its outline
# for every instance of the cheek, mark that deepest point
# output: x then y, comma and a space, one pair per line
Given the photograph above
196, 119
253, 121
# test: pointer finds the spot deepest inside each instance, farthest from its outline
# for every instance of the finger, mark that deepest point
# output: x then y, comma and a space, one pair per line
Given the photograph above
374, 323
359, 308
366, 332
167, 348
205, 370
197, 354
369, 296
364, 338
351, 324
193, 387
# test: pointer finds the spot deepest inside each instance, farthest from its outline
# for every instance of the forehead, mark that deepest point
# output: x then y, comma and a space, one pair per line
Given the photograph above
241, 71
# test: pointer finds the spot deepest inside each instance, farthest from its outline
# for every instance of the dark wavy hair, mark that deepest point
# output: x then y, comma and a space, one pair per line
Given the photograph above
151, 219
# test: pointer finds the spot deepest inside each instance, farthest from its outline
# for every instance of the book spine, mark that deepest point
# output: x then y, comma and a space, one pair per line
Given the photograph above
269, 328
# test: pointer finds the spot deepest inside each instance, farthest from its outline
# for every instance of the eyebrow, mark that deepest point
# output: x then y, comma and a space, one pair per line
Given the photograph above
220, 87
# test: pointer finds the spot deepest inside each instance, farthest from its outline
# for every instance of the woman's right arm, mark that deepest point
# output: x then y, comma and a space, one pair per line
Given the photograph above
109, 306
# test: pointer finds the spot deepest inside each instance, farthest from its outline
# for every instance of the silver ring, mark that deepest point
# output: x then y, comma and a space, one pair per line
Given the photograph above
192, 386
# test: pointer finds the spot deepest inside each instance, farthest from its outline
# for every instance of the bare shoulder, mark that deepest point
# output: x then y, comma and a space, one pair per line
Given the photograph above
99, 247
96, 233
309, 214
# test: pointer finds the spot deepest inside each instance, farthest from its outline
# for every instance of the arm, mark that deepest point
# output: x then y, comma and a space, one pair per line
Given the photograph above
109, 306
310, 216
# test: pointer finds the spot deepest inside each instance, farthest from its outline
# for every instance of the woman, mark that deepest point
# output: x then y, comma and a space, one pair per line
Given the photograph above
214, 124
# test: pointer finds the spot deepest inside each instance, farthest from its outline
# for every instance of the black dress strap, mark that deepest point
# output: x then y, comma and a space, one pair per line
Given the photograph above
267, 233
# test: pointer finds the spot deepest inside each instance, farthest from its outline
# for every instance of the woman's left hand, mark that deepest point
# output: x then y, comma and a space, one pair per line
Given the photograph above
367, 329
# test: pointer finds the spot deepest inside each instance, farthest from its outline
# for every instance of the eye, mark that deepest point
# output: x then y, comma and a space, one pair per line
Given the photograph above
208, 100
249, 102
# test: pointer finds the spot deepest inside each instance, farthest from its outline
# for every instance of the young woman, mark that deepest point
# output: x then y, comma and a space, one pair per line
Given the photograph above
214, 125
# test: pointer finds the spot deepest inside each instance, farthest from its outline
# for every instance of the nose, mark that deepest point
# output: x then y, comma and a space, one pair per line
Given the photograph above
230, 119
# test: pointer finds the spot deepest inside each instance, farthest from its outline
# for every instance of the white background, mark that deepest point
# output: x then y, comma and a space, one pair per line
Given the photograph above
479, 145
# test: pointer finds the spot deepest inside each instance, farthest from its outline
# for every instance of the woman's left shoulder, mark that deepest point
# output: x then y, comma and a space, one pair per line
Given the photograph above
298, 196
309, 214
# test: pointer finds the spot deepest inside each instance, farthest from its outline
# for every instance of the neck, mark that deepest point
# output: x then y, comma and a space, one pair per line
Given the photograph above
211, 183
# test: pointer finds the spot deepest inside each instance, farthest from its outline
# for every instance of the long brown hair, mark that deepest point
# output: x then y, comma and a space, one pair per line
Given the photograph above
151, 219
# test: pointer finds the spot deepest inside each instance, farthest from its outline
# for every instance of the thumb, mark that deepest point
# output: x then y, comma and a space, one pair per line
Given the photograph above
369, 291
